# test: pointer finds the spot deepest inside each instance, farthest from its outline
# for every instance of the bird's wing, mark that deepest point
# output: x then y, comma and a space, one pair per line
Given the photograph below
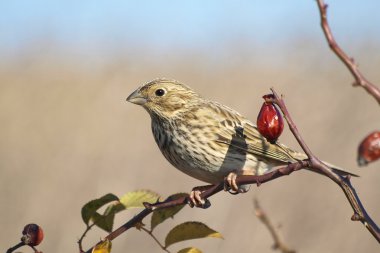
247, 138
236, 131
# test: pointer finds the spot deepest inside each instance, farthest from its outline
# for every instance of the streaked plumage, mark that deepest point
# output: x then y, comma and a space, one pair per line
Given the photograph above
205, 139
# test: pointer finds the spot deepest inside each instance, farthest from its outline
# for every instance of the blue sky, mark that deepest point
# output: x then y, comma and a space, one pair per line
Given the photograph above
164, 25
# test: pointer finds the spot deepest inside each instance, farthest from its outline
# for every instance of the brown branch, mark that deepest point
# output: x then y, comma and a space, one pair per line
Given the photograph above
149, 208
360, 79
263, 217
240, 180
360, 214
18, 245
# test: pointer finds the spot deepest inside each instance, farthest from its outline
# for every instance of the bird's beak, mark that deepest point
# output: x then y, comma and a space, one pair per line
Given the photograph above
137, 98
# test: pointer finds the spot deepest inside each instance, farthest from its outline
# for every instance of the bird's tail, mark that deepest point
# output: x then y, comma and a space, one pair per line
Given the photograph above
342, 172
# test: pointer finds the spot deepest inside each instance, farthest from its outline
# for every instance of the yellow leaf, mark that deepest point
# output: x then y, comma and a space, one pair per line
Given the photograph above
190, 230
103, 247
136, 198
190, 250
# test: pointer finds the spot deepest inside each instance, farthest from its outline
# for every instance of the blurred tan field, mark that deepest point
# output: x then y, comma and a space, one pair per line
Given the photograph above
67, 135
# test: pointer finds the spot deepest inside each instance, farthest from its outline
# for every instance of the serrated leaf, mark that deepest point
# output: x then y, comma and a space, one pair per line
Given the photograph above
90, 208
190, 250
161, 215
103, 247
136, 198
190, 230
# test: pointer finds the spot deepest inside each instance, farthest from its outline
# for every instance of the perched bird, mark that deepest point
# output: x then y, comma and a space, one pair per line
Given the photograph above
207, 140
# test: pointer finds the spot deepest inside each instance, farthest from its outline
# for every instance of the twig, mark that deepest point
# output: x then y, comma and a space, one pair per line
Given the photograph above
278, 242
18, 245
35, 249
360, 214
149, 208
83, 235
131, 223
360, 80
155, 238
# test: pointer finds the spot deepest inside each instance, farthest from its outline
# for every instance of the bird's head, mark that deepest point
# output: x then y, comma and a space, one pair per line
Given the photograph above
164, 98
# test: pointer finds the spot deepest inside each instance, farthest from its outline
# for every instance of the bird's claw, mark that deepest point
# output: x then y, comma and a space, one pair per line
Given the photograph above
230, 183
231, 186
196, 200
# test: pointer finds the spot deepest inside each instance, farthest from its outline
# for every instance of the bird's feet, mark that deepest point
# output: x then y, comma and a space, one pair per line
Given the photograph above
195, 198
231, 186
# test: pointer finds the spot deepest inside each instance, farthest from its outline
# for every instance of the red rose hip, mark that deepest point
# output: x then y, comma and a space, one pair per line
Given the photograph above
32, 235
369, 149
269, 121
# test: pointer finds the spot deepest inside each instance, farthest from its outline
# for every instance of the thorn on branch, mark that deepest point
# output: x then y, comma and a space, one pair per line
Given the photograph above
149, 206
355, 217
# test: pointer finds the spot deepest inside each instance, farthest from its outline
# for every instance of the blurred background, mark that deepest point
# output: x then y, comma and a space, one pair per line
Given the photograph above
67, 134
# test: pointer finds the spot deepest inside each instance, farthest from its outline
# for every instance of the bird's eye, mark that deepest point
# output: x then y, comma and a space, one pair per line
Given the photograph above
160, 92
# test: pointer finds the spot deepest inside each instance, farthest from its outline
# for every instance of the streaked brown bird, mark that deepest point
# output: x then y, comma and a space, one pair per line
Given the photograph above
207, 140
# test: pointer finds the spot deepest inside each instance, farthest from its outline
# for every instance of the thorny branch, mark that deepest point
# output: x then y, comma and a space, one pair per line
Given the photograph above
263, 217
149, 208
344, 183
360, 79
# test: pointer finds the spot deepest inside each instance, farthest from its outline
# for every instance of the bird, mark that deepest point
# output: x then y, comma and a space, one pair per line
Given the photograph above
207, 140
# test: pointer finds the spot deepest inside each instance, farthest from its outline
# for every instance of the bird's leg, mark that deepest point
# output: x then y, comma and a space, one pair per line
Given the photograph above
230, 181
195, 196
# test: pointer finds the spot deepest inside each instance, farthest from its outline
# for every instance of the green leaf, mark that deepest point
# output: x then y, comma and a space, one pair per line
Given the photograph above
161, 215
136, 198
190, 230
190, 250
104, 221
103, 247
89, 209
